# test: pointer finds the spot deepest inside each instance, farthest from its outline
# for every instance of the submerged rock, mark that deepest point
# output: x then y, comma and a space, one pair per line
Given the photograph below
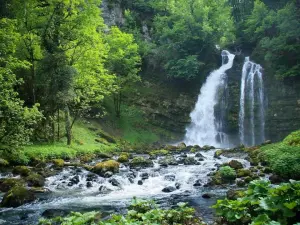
17, 196
52, 213
144, 176
169, 160
218, 154
170, 177
169, 189
197, 183
140, 182
208, 195
177, 185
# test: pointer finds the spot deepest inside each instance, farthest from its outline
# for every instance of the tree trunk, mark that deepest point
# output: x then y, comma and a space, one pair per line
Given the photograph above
68, 125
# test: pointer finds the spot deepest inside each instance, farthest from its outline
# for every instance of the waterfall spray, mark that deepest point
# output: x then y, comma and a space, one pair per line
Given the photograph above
204, 128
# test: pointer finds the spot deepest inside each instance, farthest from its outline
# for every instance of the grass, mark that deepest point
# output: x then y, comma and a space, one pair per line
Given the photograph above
83, 144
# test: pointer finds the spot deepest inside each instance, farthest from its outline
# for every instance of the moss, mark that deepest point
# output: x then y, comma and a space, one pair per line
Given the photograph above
101, 140
7, 183
17, 196
103, 167
87, 158
140, 162
218, 153
248, 179
3, 163
35, 180
103, 155
193, 150
190, 161
159, 152
124, 157
168, 160
21, 170
58, 162
243, 173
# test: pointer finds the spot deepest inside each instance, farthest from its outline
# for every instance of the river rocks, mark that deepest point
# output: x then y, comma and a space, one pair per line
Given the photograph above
140, 182
102, 167
235, 164
140, 162
114, 182
108, 174
104, 190
218, 154
169, 160
17, 196
89, 184
170, 177
240, 183
91, 177
199, 155
35, 180
169, 189
156, 153
131, 180
243, 173
197, 183
124, 157
177, 185
74, 180
58, 163
144, 176
190, 161
21, 170
52, 213
208, 195
8, 183
181, 145
207, 147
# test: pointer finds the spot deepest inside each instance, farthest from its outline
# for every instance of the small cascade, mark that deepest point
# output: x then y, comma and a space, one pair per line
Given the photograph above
252, 106
205, 127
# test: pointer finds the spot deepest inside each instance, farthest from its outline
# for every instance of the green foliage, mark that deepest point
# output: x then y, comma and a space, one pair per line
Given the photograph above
141, 213
283, 159
293, 139
227, 173
275, 33
262, 204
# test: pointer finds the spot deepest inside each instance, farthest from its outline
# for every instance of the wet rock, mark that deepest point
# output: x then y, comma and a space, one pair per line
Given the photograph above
218, 154
275, 179
58, 163
103, 167
183, 155
114, 182
181, 145
169, 160
104, 190
240, 183
233, 194
108, 174
35, 180
197, 183
177, 185
140, 182
75, 180
131, 180
235, 164
144, 176
52, 213
140, 162
248, 179
190, 161
169, 189
208, 195
199, 155
91, 177
17, 196
89, 184
21, 170
124, 157
170, 177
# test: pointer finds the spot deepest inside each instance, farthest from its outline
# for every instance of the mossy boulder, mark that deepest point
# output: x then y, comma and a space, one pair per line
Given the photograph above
161, 152
140, 162
124, 157
190, 161
17, 196
7, 183
3, 163
58, 162
234, 194
168, 160
235, 164
243, 173
35, 180
21, 170
103, 167
87, 158
181, 145
103, 155
218, 154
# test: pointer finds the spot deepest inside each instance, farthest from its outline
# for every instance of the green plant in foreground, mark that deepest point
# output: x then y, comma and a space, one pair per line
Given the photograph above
140, 212
262, 205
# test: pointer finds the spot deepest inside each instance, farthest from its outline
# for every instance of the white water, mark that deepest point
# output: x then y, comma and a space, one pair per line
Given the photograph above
252, 120
203, 129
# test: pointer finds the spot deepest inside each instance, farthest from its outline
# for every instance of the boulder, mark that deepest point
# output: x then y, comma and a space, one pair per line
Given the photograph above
21, 170
7, 183
108, 174
124, 157
218, 154
91, 177
35, 180
140, 182
208, 195
170, 177
17, 196
235, 164
169, 189
144, 176
197, 183
166, 161
177, 185
243, 173
103, 167
199, 155
140, 162
89, 184
58, 162
190, 161
114, 182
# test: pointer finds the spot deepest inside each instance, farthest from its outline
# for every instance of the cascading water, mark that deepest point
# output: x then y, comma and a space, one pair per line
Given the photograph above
205, 129
252, 106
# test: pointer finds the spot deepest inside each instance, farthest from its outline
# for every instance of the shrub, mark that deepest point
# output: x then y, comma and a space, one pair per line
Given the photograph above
262, 204
227, 173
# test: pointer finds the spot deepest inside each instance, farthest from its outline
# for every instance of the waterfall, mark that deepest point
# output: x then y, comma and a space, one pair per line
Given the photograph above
252, 106
205, 129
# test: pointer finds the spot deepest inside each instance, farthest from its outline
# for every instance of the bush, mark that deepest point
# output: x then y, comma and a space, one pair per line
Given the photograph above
227, 173
262, 204
283, 159
140, 213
